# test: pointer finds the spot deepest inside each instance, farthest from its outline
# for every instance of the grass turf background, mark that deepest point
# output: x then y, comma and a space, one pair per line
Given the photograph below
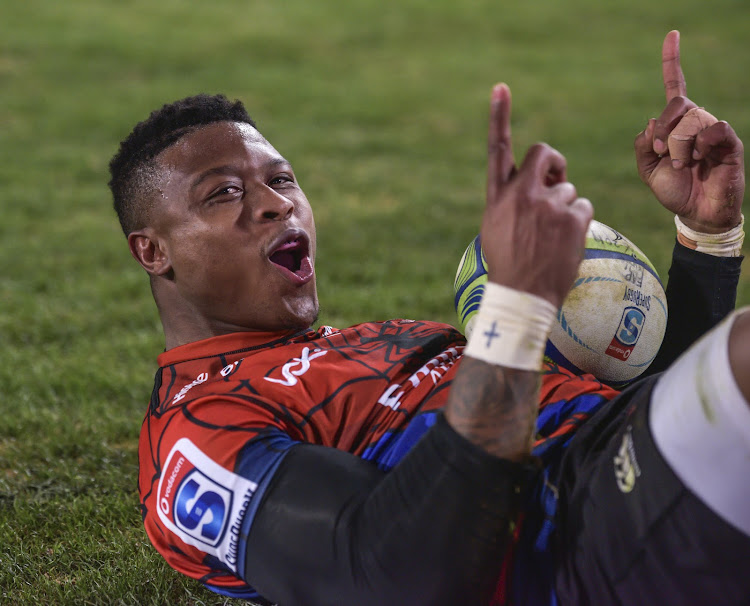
382, 109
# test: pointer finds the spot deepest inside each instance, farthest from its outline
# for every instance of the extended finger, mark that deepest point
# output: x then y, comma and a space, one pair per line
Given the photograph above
674, 79
501, 164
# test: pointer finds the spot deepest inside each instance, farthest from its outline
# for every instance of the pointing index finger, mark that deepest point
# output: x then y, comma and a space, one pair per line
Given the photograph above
674, 80
500, 149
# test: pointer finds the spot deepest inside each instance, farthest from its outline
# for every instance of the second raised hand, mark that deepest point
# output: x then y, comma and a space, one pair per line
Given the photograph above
693, 163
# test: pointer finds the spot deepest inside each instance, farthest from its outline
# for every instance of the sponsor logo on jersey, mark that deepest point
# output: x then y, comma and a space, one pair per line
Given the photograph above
627, 334
434, 369
296, 367
203, 503
230, 368
201, 378
328, 331
626, 465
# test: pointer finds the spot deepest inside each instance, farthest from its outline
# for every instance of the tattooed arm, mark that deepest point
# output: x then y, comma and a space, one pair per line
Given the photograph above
533, 234
494, 407
332, 528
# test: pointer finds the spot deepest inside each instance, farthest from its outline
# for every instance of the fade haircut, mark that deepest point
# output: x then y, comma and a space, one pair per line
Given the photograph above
132, 168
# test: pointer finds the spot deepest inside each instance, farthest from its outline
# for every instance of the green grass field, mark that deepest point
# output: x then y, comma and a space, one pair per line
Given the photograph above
381, 107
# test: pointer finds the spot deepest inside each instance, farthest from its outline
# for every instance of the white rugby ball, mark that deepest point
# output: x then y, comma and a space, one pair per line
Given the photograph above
612, 322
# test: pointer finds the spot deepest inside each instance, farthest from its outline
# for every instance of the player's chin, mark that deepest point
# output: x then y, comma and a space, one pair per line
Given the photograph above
300, 311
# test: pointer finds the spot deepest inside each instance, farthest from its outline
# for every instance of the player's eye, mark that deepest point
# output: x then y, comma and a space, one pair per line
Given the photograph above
281, 180
225, 192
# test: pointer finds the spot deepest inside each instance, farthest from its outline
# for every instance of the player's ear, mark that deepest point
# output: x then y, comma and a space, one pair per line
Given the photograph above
149, 251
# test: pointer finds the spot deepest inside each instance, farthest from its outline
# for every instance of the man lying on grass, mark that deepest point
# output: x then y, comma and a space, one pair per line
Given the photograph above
394, 463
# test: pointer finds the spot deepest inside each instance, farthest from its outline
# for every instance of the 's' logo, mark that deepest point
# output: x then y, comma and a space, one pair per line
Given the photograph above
201, 507
627, 333
202, 503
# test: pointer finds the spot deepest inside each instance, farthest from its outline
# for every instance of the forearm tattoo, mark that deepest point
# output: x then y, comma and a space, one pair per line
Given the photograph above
494, 407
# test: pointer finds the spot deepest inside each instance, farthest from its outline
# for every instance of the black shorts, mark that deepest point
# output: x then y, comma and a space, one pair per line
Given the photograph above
629, 531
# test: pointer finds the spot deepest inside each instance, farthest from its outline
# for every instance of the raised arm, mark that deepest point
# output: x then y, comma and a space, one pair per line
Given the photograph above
694, 165
533, 233
704, 182
332, 528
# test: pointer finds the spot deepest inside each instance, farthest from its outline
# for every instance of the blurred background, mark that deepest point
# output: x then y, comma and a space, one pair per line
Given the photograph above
381, 108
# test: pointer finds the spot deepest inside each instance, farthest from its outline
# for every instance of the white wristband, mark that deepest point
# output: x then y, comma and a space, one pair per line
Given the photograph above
511, 328
726, 244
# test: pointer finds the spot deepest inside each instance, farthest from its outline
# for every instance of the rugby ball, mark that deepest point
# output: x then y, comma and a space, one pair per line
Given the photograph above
613, 320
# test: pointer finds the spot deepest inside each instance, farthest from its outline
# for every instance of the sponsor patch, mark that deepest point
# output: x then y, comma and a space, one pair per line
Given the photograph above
627, 334
202, 502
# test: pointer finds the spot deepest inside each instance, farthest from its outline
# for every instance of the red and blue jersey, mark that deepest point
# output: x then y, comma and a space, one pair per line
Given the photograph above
225, 410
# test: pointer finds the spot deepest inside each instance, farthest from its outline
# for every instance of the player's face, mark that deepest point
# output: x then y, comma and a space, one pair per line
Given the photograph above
238, 230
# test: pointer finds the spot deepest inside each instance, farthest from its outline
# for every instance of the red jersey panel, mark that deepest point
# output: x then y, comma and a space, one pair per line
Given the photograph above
225, 410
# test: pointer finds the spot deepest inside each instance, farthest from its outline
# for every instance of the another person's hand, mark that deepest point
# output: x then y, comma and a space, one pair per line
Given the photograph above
706, 188
534, 226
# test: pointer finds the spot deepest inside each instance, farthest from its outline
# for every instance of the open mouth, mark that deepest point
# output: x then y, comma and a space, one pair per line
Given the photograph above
293, 256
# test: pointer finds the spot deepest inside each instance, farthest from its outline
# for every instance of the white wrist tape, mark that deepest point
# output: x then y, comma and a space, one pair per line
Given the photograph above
726, 244
511, 328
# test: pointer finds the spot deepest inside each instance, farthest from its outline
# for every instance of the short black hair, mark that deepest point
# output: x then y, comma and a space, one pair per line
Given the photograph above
132, 166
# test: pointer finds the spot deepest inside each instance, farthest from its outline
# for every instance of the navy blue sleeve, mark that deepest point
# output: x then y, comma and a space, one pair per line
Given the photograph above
701, 291
334, 529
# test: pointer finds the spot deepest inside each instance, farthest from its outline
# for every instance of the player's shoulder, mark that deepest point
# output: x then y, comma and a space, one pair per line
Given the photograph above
400, 332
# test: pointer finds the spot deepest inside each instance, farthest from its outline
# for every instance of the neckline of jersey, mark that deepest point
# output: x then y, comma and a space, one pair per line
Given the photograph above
226, 344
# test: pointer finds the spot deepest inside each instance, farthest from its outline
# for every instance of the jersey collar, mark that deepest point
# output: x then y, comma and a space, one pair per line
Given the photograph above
225, 344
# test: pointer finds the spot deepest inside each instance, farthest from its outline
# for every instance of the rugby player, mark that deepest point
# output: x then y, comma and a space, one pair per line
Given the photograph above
392, 462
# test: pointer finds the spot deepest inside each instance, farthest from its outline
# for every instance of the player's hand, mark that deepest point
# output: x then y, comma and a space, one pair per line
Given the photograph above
705, 186
534, 226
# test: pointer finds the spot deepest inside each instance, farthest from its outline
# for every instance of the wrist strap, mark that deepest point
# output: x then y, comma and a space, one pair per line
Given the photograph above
725, 244
511, 328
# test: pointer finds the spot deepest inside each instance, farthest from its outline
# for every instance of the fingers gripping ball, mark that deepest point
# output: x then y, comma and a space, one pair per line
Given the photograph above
613, 320
682, 138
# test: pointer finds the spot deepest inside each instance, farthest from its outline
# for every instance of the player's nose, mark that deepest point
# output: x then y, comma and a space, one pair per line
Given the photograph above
270, 205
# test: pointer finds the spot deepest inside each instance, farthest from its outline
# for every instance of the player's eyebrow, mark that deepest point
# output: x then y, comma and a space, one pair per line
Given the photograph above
274, 162
216, 170
228, 169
